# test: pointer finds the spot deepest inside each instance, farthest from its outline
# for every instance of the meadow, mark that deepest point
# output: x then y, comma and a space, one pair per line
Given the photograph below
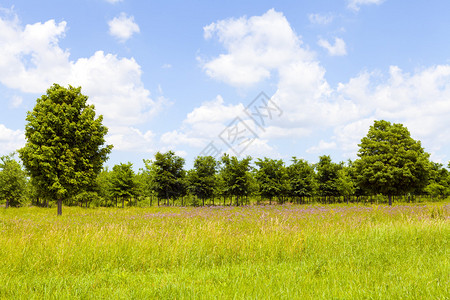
252, 252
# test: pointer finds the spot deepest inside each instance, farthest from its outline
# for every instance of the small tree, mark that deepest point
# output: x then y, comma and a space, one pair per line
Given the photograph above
327, 176
301, 179
271, 177
122, 182
202, 178
438, 183
169, 178
65, 143
12, 181
148, 187
236, 176
345, 184
104, 186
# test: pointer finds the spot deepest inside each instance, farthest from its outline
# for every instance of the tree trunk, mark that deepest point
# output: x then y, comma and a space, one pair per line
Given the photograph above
390, 200
59, 206
123, 203
7, 203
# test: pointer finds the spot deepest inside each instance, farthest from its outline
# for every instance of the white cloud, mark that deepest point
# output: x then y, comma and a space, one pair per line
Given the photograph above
203, 124
10, 140
33, 61
130, 139
256, 46
356, 4
174, 138
123, 27
338, 49
114, 85
214, 111
113, 1
322, 147
419, 101
320, 19
33, 58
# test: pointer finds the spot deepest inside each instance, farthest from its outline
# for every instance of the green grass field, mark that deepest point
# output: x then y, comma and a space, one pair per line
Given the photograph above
256, 252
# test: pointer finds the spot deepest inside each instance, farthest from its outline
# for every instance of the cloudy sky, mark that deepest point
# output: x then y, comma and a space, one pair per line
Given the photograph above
188, 75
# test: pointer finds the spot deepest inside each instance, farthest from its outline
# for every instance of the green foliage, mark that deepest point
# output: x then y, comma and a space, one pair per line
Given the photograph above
236, 176
328, 176
123, 185
147, 179
13, 181
390, 161
104, 186
202, 179
169, 176
345, 183
302, 178
65, 143
271, 177
438, 185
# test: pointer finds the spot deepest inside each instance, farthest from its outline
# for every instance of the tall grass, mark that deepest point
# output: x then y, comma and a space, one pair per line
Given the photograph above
267, 252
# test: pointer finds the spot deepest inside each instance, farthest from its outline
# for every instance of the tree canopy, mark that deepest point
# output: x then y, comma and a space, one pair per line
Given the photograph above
123, 182
271, 177
301, 178
202, 178
236, 176
390, 161
65, 147
169, 177
12, 181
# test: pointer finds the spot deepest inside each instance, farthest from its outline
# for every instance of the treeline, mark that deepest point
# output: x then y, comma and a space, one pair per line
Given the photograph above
226, 181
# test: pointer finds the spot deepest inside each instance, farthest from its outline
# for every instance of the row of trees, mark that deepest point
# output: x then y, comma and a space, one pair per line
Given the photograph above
65, 152
234, 181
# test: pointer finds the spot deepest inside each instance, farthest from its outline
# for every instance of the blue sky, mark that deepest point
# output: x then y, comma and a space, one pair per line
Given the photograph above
179, 75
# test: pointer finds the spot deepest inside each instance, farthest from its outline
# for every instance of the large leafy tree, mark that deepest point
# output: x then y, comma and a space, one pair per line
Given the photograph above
202, 178
12, 181
169, 176
65, 147
390, 161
